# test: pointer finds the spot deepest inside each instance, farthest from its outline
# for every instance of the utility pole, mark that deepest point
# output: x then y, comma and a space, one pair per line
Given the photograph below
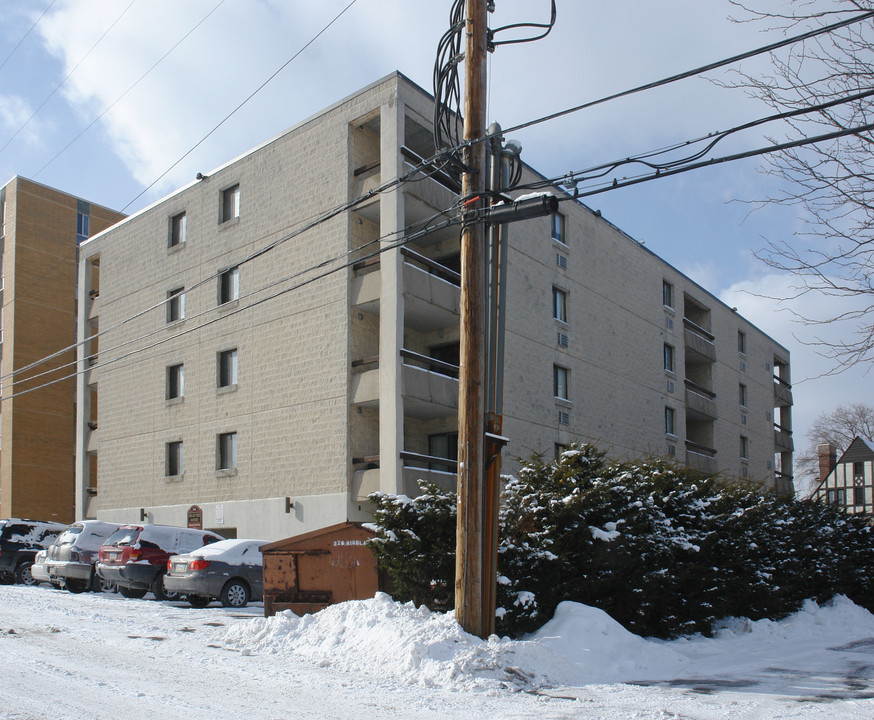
471, 595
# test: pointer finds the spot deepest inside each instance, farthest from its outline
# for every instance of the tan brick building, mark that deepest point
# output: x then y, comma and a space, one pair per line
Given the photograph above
40, 232
274, 379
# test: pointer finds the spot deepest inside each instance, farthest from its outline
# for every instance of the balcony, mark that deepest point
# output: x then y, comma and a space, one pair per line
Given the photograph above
430, 386
432, 296
783, 439
700, 402
783, 484
699, 343
92, 439
93, 305
782, 393
416, 468
701, 458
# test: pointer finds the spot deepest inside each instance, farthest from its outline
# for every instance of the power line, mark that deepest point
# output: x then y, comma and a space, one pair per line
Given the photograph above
236, 109
405, 239
691, 73
69, 74
25, 36
124, 94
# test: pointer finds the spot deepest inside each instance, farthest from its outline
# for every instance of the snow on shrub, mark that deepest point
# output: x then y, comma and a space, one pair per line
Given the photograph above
662, 549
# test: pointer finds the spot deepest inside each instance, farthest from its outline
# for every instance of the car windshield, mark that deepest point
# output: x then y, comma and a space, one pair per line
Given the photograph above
122, 536
69, 535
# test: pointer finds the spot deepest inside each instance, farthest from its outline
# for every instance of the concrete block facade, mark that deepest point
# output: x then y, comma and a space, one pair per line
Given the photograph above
346, 339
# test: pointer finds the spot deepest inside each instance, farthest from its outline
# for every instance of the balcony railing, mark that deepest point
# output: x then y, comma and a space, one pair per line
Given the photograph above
699, 341
700, 400
701, 457
782, 392
783, 438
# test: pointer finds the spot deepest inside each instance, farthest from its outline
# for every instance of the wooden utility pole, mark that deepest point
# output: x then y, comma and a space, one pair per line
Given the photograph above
471, 594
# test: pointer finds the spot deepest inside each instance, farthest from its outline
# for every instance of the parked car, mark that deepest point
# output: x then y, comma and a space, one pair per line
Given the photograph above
230, 571
135, 557
20, 541
38, 570
71, 559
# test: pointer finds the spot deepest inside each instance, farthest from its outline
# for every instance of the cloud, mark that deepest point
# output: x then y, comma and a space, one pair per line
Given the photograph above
15, 112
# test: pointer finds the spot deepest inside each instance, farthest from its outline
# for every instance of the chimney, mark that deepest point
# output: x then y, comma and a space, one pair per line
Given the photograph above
828, 458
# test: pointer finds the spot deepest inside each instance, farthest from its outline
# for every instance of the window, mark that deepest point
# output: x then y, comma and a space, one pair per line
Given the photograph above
226, 451
176, 304
231, 203
669, 357
560, 381
858, 471
742, 394
858, 496
558, 228
670, 421
177, 230
174, 458
741, 342
83, 220
559, 304
443, 445
744, 447
667, 294
175, 381
227, 368
229, 285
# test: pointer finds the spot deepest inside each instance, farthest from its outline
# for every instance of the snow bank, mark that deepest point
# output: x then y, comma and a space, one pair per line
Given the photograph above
396, 642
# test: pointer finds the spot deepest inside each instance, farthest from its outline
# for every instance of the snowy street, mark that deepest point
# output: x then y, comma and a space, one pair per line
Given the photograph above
101, 656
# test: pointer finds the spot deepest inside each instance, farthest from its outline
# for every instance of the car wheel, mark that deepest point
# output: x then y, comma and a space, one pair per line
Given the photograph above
77, 586
133, 593
100, 585
235, 594
198, 601
159, 592
23, 575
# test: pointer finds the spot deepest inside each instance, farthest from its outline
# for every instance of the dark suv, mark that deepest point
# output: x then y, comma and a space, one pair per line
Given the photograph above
135, 557
20, 541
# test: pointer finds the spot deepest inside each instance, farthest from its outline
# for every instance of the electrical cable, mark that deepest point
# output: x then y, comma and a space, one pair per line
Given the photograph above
547, 28
25, 36
124, 94
69, 74
598, 171
236, 109
405, 239
688, 73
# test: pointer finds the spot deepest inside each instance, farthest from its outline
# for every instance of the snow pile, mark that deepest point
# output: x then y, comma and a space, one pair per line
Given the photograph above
397, 642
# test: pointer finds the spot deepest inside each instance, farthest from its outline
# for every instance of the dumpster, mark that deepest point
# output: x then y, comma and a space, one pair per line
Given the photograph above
308, 572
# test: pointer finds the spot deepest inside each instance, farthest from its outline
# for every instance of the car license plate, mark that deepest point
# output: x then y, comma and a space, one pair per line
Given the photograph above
113, 556
180, 567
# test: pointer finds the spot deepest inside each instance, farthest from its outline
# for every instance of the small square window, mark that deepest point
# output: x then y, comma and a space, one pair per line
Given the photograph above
559, 304
231, 203
741, 342
177, 230
174, 458
176, 304
227, 368
670, 421
226, 451
669, 357
667, 294
560, 381
744, 447
742, 394
558, 228
175, 381
229, 285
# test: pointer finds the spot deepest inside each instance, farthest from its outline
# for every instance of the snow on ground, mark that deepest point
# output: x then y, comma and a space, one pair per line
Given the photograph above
102, 656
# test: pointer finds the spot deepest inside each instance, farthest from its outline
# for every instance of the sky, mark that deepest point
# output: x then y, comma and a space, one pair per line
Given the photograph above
102, 656
123, 101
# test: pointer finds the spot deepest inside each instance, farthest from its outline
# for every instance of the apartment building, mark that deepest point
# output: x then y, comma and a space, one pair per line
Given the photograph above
40, 230
263, 373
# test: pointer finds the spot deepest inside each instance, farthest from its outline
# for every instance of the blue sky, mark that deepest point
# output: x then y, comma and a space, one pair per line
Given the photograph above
79, 65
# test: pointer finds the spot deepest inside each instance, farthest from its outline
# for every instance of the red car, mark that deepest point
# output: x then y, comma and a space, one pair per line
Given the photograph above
135, 557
